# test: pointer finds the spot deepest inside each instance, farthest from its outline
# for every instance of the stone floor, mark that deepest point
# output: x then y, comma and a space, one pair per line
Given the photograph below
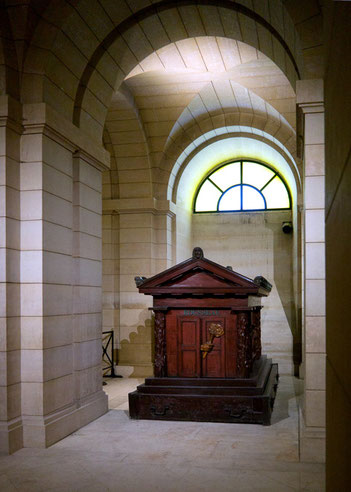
117, 454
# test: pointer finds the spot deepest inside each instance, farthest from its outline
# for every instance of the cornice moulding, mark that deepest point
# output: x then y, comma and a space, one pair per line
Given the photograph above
41, 118
138, 205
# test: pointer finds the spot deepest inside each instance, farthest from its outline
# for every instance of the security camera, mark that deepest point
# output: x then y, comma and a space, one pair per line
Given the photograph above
287, 227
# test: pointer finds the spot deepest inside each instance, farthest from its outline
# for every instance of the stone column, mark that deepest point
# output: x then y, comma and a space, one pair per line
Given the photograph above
87, 288
311, 107
10, 343
110, 275
60, 280
144, 249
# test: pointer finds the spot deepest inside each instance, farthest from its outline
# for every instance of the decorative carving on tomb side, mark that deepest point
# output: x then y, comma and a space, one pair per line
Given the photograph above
139, 281
263, 282
256, 334
243, 362
160, 344
241, 413
216, 331
198, 253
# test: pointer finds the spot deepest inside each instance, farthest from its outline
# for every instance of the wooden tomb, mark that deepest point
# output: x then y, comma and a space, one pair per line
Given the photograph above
208, 363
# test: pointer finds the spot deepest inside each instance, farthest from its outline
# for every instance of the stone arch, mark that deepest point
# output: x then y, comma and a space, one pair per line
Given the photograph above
194, 162
189, 129
98, 34
129, 146
229, 132
110, 177
245, 19
8, 59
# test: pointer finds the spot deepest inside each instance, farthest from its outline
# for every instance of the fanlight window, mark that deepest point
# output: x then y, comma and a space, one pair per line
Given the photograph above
240, 186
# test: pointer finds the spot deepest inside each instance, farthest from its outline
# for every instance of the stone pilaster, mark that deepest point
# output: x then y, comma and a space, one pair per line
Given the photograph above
10, 337
110, 275
87, 287
60, 280
310, 102
145, 248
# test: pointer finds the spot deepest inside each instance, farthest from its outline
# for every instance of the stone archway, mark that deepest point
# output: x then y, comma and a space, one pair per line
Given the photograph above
66, 89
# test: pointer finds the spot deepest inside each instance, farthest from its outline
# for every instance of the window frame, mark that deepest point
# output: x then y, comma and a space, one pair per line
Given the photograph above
241, 184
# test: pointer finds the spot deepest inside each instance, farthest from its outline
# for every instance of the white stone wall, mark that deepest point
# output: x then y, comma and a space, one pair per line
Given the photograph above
59, 62
310, 99
51, 340
254, 244
10, 298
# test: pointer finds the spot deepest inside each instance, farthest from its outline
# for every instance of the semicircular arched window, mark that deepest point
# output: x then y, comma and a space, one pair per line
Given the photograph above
242, 186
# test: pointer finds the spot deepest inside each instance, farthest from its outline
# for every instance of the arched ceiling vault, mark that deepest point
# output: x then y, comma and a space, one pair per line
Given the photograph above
218, 150
188, 89
232, 56
76, 64
54, 41
223, 145
126, 140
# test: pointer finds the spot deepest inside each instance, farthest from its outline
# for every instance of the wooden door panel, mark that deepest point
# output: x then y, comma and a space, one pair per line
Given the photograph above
230, 346
172, 344
184, 336
213, 365
188, 334
189, 347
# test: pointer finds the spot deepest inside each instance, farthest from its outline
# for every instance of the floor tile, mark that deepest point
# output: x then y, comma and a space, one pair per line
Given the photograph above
115, 453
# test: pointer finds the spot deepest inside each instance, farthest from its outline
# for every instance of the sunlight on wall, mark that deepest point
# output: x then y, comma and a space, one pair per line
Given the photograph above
242, 186
222, 151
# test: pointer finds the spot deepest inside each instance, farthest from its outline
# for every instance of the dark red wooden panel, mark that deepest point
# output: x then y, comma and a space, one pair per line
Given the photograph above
201, 279
213, 366
231, 346
172, 344
189, 346
184, 336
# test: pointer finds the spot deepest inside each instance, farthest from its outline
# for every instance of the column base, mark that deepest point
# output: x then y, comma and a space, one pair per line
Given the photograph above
43, 431
11, 436
312, 443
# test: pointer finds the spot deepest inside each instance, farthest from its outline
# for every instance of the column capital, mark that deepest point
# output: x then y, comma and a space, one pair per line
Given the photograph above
10, 113
310, 95
139, 205
40, 118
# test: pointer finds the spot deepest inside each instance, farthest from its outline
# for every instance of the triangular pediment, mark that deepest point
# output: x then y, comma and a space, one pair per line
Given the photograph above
198, 275
199, 278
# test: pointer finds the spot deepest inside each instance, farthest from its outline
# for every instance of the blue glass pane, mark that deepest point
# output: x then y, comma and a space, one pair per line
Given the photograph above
230, 200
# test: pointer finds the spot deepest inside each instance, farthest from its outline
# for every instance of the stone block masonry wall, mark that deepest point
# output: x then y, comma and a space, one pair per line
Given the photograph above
87, 289
310, 99
110, 275
10, 308
51, 381
254, 244
60, 291
144, 248
47, 275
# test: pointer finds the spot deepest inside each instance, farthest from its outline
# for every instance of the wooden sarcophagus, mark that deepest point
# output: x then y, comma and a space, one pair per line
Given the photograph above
208, 364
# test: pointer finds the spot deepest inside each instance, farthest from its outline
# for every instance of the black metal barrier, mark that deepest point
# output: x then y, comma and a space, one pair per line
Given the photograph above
107, 355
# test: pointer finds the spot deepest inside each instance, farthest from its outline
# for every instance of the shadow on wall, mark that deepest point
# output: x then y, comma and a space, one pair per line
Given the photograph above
283, 277
253, 244
137, 351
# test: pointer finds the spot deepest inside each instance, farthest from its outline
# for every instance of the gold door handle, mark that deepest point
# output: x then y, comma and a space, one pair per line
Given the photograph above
216, 331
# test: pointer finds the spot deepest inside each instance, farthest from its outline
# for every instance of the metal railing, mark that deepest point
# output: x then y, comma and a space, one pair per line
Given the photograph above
107, 355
